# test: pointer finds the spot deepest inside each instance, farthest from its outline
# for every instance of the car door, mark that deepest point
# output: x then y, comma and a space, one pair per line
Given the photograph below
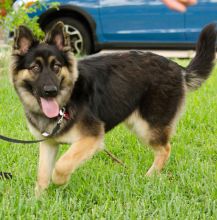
140, 21
197, 16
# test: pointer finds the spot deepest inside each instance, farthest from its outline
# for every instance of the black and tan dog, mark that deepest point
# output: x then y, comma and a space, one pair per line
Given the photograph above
144, 90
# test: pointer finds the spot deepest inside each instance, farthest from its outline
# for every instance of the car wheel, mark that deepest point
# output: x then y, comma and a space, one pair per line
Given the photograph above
79, 35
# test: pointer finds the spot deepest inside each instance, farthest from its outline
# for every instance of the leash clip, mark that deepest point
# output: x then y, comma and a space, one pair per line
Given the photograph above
62, 114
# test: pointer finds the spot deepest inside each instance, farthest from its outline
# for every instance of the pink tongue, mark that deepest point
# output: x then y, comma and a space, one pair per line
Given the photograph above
50, 107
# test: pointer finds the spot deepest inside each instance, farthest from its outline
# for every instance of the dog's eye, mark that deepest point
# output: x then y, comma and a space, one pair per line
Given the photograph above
35, 68
56, 68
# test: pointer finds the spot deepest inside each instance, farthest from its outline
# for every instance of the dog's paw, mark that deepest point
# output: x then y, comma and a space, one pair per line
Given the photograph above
152, 172
58, 178
39, 191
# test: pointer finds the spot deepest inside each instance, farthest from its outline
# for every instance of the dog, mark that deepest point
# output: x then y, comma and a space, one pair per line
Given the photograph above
83, 99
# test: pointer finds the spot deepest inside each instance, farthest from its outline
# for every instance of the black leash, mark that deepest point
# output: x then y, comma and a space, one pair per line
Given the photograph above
17, 141
5, 175
45, 134
114, 158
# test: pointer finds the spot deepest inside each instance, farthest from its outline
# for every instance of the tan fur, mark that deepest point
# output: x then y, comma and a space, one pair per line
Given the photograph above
24, 75
47, 155
153, 136
65, 93
86, 125
71, 136
83, 147
51, 58
66, 39
139, 126
84, 142
69, 78
162, 154
39, 59
73, 69
79, 152
29, 100
26, 97
179, 112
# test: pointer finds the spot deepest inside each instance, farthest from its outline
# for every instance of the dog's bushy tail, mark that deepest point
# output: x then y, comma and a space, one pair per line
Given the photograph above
201, 65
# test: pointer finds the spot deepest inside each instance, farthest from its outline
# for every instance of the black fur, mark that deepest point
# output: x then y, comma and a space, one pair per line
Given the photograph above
144, 89
201, 66
115, 85
112, 86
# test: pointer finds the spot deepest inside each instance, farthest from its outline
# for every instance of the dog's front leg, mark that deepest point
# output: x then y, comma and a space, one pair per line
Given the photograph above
77, 153
47, 154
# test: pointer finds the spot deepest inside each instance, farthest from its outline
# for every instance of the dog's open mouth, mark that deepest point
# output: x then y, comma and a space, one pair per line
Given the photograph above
50, 107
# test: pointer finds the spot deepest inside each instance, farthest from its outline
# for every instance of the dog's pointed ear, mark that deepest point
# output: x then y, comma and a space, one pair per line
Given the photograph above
23, 40
57, 36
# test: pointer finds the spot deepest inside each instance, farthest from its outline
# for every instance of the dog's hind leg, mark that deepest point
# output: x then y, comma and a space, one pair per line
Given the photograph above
47, 155
161, 154
159, 141
80, 151
157, 138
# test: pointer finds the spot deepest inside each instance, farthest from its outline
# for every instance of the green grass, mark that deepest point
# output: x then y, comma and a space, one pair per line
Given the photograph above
101, 189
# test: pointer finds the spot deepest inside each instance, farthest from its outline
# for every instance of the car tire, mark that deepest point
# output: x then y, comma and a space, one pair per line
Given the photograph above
80, 37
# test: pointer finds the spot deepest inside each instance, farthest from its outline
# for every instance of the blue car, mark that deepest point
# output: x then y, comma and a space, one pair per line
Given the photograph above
123, 24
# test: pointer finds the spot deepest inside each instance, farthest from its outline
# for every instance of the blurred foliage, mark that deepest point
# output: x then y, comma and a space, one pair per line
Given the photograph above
20, 16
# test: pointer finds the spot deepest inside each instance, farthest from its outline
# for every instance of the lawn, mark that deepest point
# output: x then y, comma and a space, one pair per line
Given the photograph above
102, 189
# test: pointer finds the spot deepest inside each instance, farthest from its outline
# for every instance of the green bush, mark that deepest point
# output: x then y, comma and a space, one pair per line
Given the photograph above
20, 16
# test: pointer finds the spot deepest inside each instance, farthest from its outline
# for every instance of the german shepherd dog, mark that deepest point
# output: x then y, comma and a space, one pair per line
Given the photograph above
144, 90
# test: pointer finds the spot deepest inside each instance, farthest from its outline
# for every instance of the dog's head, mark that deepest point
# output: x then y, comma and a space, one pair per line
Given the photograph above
43, 73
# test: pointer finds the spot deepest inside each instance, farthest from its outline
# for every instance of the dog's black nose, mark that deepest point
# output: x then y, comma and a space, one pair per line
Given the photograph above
50, 90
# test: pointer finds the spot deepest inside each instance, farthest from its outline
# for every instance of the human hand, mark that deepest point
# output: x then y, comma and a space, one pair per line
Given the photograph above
179, 5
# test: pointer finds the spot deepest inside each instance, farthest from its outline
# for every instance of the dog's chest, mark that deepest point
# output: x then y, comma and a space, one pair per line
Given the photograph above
70, 136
